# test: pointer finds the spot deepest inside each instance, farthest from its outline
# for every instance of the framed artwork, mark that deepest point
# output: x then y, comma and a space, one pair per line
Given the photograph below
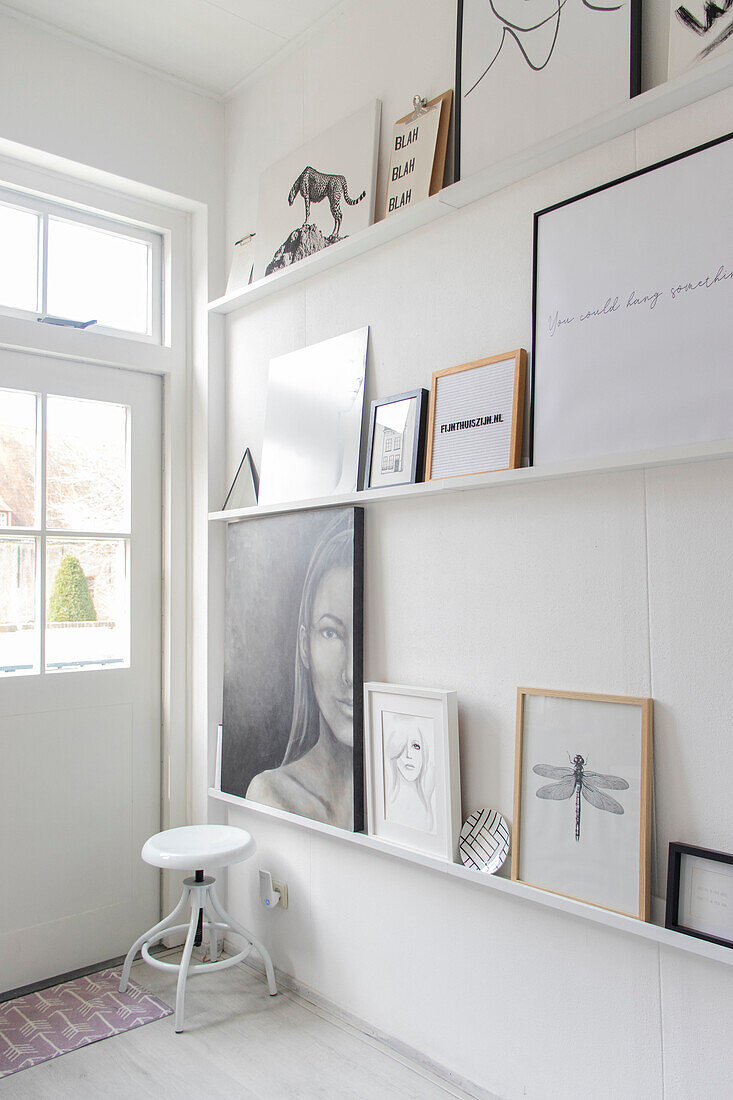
631, 315
582, 797
315, 399
318, 195
700, 893
698, 30
412, 766
243, 491
417, 159
526, 71
475, 416
396, 447
292, 736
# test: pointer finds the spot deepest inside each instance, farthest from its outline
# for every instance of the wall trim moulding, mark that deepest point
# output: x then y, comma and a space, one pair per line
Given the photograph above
714, 76
611, 464
607, 917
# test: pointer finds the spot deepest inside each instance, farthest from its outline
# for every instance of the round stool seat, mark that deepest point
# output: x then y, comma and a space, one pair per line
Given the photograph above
193, 847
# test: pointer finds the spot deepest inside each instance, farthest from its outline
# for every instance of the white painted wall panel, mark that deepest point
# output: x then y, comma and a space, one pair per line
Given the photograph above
540, 584
697, 1020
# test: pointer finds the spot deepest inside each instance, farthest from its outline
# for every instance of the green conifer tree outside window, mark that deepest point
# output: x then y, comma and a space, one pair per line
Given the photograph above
71, 601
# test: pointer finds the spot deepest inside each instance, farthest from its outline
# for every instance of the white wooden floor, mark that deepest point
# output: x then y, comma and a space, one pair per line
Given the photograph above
239, 1044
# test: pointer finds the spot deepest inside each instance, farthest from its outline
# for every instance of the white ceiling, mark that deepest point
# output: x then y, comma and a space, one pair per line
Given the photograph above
212, 44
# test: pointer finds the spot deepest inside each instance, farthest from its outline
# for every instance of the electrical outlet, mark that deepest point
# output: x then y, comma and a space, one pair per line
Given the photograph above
282, 890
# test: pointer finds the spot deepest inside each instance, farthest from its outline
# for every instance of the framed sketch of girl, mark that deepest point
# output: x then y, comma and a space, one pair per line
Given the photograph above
292, 730
412, 768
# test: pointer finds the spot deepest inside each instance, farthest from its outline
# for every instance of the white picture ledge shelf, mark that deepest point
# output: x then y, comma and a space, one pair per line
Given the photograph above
645, 460
714, 76
634, 927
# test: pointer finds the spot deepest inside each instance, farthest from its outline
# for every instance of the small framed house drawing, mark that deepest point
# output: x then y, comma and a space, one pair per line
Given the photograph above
412, 768
582, 797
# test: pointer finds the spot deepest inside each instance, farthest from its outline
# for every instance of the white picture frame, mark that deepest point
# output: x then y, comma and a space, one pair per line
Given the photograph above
301, 213
412, 768
631, 318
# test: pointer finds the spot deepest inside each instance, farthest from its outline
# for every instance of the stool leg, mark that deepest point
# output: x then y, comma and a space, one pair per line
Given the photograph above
170, 919
186, 960
213, 938
264, 953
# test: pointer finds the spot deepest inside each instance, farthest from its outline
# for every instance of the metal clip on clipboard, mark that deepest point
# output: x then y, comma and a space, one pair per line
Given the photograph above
420, 108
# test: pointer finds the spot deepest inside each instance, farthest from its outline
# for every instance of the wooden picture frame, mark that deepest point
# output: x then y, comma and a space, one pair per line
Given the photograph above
412, 768
612, 869
712, 899
468, 412
444, 102
412, 448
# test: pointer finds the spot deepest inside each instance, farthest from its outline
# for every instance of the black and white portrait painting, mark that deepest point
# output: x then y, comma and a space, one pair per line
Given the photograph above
319, 194
292, 732
413, 780
529, 69
581, 824
698, 30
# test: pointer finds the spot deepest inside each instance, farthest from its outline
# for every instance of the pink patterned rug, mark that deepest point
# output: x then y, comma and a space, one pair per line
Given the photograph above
44, 1025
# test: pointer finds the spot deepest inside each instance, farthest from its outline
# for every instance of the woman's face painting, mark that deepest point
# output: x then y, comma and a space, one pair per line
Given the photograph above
330, 652
412, 758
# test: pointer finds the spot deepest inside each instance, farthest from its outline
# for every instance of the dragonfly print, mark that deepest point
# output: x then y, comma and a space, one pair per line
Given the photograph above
576, 780
534, 25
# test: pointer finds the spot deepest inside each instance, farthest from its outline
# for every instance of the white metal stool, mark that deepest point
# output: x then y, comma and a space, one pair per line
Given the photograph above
194, 847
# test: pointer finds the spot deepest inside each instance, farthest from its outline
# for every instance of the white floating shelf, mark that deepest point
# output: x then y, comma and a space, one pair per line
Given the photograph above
714, 76
638, 928
643, 460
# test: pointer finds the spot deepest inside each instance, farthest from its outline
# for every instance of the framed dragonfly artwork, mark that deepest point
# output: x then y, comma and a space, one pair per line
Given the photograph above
582, 797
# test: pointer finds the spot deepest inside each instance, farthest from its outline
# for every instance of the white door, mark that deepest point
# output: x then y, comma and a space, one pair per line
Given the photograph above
80, 662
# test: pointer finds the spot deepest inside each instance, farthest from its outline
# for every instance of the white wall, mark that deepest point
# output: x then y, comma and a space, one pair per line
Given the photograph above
84, 106
617, 583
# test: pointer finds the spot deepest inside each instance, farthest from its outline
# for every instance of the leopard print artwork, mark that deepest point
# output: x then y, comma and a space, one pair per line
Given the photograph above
315, 186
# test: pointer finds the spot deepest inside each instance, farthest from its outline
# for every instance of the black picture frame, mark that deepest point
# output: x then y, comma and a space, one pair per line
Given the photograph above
619, 181
674, 863
635, 61
417, 465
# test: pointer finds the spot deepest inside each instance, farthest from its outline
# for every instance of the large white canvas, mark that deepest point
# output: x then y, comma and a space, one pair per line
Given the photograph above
533, 68
698, 30
348, 150
626, 358
603, 866
315, 398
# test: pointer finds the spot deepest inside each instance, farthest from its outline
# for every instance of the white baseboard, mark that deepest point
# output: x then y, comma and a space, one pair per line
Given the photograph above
459, 1086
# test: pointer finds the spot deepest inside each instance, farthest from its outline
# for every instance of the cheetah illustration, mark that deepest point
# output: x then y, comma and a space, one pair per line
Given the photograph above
314, 186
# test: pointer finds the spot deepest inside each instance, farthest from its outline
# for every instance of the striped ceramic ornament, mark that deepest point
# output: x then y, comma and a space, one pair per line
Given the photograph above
484, 841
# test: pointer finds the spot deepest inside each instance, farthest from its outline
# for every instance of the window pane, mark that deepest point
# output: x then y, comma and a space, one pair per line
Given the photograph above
87, 468
96, 274
18, 638
19, 265
87, 603
17, 458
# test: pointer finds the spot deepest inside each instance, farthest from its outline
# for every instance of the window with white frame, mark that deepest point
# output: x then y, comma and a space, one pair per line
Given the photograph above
71, 267
65, 536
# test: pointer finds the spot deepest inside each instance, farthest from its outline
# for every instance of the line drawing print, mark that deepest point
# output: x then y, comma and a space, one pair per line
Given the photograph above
528, 34
577, 781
